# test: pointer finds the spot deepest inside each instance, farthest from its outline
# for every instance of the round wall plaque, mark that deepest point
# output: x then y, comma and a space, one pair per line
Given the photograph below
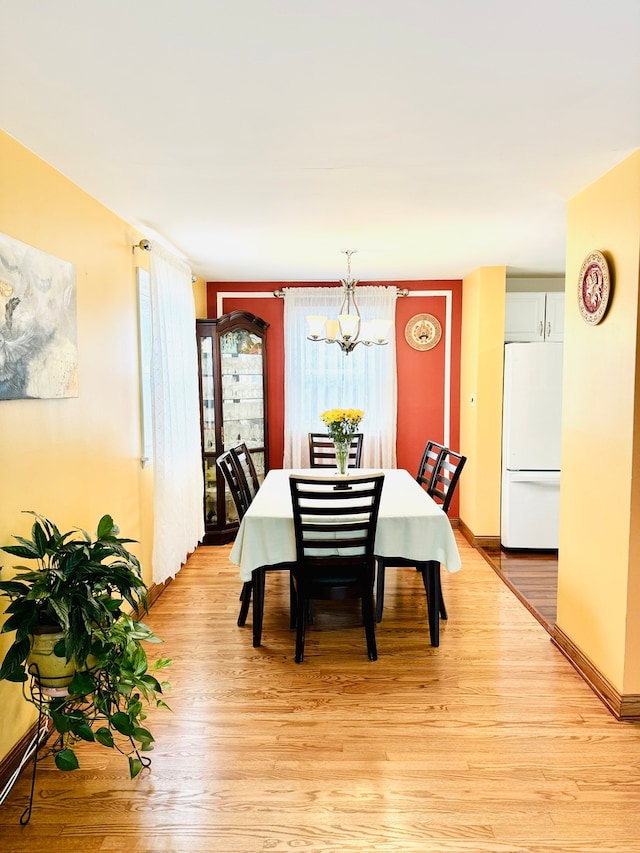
423, 332
594, 288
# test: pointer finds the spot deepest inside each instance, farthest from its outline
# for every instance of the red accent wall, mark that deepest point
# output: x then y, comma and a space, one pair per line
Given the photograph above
421, 375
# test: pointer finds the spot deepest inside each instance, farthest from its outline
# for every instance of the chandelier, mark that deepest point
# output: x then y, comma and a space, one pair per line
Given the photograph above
348, 330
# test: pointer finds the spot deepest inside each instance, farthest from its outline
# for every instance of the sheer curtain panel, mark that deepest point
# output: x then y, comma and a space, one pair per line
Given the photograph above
178, 479
320, 376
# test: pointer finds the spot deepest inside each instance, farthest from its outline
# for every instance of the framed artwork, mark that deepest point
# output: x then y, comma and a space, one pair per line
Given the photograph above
594, 288
38, 324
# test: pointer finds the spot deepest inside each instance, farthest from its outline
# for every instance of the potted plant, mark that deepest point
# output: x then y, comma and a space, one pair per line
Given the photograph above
77, 590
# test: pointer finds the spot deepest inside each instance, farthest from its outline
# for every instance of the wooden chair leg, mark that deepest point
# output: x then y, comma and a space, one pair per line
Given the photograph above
443, 609
420, 567
369, 625
245, 599
301, 620
380, 589
258, 605
293, 605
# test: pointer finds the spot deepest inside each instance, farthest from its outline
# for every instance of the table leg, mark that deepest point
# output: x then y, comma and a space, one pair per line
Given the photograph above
258, 605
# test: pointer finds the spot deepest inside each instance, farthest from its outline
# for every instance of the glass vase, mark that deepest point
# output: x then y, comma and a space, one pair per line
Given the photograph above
342, 446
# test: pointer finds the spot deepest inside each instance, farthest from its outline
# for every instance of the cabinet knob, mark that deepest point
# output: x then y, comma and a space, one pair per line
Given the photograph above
541, 329
548, 328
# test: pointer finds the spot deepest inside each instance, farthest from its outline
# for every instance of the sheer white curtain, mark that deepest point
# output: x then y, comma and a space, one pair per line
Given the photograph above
319, 376
178, 480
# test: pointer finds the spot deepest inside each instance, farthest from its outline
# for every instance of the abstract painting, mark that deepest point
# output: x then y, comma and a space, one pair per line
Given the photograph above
38, 325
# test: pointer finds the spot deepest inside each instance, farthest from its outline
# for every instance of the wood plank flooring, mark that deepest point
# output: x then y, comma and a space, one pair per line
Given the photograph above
491, 743
532, 576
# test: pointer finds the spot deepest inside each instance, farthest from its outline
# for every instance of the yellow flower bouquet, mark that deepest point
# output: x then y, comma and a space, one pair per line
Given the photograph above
342, 423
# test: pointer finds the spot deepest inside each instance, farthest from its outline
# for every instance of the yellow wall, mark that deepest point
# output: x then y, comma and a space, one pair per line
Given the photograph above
74, 459
599, 555
200, 297
483, 308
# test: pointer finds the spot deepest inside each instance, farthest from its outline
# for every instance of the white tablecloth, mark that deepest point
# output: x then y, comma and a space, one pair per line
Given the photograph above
410, 524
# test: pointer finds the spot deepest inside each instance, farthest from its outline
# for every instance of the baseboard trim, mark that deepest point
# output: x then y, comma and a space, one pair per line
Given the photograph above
12, 759
156, 590
623, 707
478, 541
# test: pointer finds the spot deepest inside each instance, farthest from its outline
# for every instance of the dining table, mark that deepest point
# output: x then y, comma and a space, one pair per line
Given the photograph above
410, 525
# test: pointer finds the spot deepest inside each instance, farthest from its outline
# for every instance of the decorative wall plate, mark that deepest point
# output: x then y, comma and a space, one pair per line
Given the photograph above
594, 288
423, 332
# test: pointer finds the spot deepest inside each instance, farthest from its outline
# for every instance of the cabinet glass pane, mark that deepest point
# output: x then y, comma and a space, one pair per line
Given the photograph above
249, 431
242, 389
210, 490
208, 411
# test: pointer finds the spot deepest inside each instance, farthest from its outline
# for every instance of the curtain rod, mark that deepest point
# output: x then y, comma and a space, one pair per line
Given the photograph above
400, 291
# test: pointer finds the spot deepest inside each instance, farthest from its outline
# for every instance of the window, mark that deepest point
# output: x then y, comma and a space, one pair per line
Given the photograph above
320, 376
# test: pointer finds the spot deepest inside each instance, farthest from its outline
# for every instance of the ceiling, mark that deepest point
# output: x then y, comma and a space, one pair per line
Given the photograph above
260, 138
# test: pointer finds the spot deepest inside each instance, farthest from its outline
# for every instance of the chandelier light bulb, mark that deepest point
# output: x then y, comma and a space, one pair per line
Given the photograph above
348, 330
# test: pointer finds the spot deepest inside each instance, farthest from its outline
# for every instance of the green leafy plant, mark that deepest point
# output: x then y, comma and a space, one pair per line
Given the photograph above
81, 585
107, 703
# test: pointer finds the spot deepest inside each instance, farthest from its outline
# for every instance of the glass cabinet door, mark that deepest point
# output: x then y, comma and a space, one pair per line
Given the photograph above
207, 402
242, 371
233, 409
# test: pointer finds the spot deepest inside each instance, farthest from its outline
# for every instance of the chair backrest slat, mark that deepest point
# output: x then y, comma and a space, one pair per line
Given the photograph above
236, 481
322, 452
429, 462
243, 457
328, 520
446, 476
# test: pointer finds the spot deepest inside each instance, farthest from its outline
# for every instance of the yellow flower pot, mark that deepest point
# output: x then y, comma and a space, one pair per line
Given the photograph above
50, 670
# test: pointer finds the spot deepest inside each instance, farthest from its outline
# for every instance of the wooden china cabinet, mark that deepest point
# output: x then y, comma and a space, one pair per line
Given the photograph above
233, 408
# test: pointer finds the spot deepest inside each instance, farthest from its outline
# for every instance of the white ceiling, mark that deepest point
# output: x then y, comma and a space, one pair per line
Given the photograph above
259, 138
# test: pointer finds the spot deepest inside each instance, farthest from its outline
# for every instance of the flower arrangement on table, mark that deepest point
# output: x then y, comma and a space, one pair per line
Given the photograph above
342, 424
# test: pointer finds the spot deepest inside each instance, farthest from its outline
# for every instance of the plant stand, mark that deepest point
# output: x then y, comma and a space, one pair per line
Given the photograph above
41, 697
41, 701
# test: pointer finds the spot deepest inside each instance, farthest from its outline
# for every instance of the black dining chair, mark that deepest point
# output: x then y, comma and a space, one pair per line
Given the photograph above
446, 476
322, 452
240, 491
441, 487
236, 481
243, 457
429, 462
238, 487
426, 470
335, 532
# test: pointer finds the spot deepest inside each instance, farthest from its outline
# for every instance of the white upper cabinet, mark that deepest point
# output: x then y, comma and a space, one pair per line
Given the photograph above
554, 317
534, 316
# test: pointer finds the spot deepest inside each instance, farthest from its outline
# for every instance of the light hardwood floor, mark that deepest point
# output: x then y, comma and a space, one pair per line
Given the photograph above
489, 744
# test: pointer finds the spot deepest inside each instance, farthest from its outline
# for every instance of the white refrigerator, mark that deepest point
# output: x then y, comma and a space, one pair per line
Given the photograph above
531, 439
